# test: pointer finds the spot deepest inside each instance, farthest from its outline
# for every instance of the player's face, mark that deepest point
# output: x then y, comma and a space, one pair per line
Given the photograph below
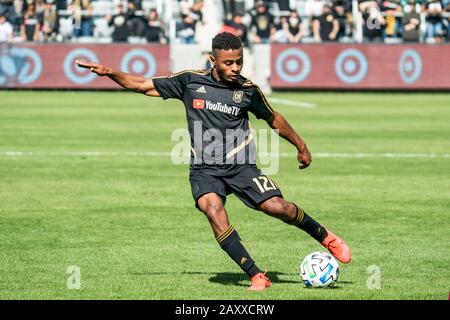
228, 64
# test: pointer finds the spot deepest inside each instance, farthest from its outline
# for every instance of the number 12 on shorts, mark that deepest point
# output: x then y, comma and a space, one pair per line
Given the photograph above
265, 184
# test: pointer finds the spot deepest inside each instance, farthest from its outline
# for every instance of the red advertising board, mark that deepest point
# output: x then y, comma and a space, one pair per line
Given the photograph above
360, 66
53, 65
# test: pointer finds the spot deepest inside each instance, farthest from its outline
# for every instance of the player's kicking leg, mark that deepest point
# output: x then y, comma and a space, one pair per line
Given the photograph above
291, 214
212, 205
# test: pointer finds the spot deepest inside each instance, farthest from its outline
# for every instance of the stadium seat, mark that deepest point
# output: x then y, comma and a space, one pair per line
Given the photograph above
393, 40
308, 40
147, 5
65, 28
136, 40
101, 28
103, 7
85, 40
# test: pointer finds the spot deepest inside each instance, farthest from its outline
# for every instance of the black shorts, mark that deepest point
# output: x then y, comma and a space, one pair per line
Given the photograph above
249, 184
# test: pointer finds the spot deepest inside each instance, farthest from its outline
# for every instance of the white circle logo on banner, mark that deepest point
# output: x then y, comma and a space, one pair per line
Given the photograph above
23, 63
293, 65
7, 65
7, 68
351, 66
139, 61
76, 74
410, 66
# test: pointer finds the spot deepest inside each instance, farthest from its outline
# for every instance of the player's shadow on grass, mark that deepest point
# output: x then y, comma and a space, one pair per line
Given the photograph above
239, 279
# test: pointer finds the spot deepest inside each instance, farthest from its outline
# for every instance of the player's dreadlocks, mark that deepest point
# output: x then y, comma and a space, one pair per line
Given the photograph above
226, 41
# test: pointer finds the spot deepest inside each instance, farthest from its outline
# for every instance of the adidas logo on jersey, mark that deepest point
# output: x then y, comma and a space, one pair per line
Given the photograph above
201, 89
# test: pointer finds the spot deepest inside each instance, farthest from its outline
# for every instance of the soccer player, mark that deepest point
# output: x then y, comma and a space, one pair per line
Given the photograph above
217, 102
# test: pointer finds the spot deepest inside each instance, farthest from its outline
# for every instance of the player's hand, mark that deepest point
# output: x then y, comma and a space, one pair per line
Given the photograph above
304, 157
94, 67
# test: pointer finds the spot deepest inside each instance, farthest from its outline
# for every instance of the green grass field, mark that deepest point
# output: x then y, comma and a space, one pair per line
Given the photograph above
85, 181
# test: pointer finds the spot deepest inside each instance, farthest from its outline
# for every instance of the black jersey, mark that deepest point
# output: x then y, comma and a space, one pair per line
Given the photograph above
217, 115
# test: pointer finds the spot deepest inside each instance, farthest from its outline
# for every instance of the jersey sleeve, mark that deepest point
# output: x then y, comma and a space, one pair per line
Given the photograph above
172, 86
259, 105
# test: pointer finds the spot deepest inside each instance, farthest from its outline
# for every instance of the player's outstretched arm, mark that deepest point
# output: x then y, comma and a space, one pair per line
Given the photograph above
284, 129
126, 80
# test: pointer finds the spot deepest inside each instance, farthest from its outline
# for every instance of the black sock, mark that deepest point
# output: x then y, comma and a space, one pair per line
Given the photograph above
309, 225
231, 243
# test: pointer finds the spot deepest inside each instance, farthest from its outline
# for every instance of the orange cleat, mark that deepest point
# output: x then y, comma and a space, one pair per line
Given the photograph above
337, 247
259, 282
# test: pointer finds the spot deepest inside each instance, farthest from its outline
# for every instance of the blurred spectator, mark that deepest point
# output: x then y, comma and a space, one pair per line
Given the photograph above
83, 21
238, 28
342, 17
373, 21
283, 5
434, 21
196, 11
137, 4
5, 7
6, 30
40, 6
296, 28
24, 4
49, 21
262, 24
326, 26
189, 19
392, 11
154, 31
184, 7
382, 19
29, 30
290, 29
61, 4
447, 21
136, 24
410, 22
232, 7
119, 23
313, 8
186, 30
279, 35
15, 16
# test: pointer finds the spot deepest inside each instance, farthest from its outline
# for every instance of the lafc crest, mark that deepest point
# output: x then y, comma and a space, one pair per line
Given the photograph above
237, 96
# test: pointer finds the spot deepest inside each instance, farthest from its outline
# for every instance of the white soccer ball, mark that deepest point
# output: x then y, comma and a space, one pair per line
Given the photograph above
319, 269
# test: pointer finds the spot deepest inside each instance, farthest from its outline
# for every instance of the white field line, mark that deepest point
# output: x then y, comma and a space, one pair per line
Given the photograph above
163, 154
293, 103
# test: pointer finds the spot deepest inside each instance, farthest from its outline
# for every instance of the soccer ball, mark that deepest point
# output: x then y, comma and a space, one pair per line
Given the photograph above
319, 269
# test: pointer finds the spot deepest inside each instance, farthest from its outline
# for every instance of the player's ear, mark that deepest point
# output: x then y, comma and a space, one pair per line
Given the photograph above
213, 60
